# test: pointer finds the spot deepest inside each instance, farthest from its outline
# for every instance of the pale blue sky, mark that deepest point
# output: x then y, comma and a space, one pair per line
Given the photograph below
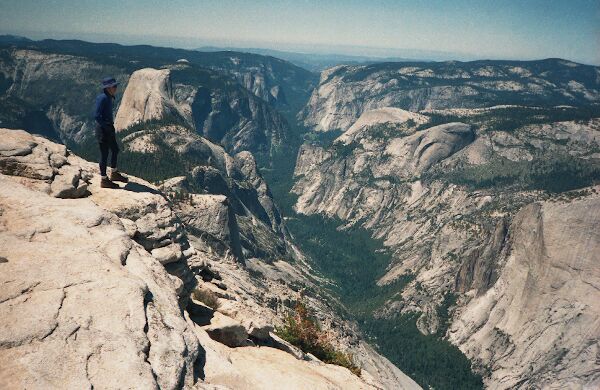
472, 29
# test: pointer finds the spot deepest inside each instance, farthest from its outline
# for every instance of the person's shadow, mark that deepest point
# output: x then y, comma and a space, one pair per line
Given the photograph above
137, 187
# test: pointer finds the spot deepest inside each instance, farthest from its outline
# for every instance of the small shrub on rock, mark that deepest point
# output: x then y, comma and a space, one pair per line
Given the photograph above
301, 330
207, 297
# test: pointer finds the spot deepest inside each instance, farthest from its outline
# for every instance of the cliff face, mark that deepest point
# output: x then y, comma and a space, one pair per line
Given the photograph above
278, 82
148, 96
345, 92
97, 282
49, 93
231, 117
48, 88
257, 230
469, 202
538, 324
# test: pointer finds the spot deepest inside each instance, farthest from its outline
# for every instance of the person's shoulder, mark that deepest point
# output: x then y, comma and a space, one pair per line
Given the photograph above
102, 96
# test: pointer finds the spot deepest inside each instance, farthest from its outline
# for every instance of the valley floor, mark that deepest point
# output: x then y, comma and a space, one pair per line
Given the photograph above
354, 261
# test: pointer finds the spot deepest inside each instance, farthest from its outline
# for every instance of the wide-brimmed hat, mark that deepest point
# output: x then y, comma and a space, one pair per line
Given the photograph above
108, 82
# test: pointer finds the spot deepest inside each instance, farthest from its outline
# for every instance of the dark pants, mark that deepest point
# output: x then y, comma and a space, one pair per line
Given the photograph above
107, 141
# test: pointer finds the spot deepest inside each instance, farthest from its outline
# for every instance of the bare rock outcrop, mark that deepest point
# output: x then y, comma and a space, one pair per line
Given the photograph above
22, 156
270, 368
148, 96
537, 326
83, 305
380, 116
96, 291
226, 330
246, 208
231, 117
418, 152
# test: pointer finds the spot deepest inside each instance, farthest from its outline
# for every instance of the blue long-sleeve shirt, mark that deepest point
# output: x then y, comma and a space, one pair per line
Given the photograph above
104, 109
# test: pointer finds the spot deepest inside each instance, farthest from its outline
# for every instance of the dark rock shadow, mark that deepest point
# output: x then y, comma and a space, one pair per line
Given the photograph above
200, 314
137, 187
199, 364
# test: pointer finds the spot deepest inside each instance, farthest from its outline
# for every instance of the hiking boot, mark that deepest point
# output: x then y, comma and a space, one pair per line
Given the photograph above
116, 176
107, 183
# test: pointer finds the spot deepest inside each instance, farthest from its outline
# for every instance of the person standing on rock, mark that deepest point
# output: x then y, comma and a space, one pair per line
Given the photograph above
106, 134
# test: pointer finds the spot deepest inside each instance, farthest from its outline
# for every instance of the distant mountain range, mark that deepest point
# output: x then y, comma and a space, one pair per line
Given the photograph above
311, 61
48, 86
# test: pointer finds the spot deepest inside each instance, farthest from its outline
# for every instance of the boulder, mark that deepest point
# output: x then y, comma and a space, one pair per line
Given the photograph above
26, 156
168, 254
69, 183
23, 155
227, 331
259, 329
272, 369
285, 346
210, 214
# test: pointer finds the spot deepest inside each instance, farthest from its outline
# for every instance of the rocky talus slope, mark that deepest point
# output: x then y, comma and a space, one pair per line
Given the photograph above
96, 283
521, 261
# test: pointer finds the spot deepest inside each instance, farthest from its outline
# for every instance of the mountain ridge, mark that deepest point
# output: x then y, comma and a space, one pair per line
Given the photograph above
444, 183
57, 105
348, 91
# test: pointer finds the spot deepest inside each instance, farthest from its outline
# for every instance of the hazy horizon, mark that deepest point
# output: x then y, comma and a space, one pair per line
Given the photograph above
433, 31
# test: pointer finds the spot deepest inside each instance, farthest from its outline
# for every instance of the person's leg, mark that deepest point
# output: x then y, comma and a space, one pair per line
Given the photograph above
115, 175
114, 151
103, 158
105, 146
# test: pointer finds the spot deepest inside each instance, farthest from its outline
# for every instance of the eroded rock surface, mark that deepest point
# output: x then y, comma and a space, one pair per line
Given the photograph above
96, 290
22, 156
83, 305
148, 96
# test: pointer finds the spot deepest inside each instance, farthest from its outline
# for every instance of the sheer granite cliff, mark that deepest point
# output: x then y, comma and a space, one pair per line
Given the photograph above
537, 325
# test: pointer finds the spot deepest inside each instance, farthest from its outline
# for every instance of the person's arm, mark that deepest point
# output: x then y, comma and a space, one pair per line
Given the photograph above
101, 107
